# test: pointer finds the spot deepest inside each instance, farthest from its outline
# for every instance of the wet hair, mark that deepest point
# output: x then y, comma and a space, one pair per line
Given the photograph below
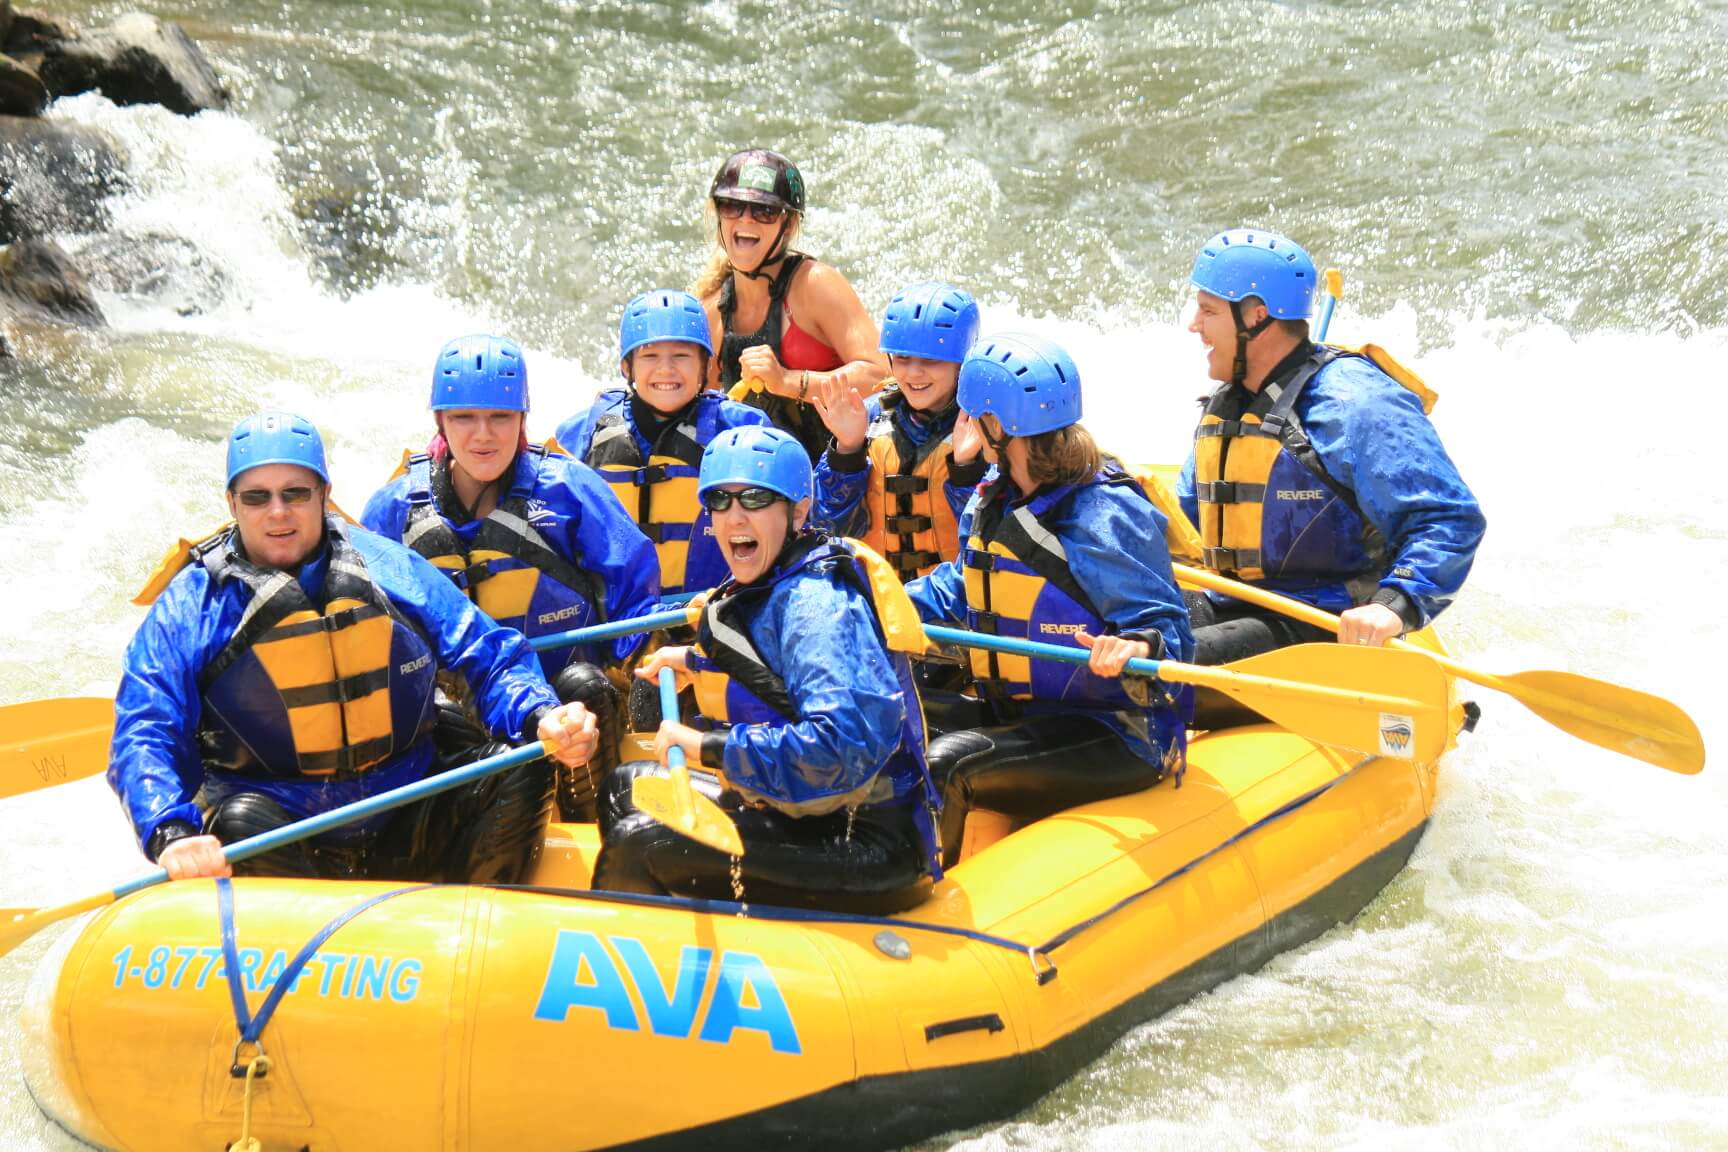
1062, 456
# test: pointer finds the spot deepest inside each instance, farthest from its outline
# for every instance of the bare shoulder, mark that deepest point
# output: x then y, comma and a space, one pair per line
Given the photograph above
823, 286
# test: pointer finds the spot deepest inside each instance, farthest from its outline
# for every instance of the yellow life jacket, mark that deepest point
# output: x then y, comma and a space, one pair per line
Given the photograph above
509, 569
660, 493
1268, 509
1018, 584
911, 522
303, 689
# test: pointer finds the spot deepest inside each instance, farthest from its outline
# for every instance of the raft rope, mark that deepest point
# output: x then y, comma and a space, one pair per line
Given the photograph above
252, 1027
256, 1066
1044, 967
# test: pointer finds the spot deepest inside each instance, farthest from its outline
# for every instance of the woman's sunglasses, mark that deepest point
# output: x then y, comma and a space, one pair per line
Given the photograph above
752, 499
761, 213
261, 497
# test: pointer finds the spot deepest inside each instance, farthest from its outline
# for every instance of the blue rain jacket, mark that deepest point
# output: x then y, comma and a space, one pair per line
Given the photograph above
817, 631
1374, 440
840, 506
1114, 540
574, 512
154, 764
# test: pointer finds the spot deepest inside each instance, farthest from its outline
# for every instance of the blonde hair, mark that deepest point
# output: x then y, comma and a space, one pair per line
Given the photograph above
719, 268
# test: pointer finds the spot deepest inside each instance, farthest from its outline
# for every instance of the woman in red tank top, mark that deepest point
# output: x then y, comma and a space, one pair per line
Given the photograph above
780, 316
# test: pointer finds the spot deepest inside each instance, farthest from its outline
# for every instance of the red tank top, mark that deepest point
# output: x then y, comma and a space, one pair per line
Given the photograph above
799, 349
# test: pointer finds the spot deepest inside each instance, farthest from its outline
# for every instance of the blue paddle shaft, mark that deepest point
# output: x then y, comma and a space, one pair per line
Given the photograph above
359, 810
1325, 317
612, 631
669, 711
1016, 647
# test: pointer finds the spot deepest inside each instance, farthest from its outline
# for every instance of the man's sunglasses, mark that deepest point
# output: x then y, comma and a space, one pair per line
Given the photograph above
261, 497
761, 213
752, 499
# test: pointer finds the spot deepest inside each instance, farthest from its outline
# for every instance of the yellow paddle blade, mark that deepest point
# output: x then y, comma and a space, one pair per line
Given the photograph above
671, 801
1373, 700
48, 742
1624, 720
19, 924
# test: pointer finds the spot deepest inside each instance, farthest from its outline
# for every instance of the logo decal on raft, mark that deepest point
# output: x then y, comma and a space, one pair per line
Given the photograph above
584, 974
1396, 734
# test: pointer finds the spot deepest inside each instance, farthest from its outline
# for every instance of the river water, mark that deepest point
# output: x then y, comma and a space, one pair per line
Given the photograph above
1530, 204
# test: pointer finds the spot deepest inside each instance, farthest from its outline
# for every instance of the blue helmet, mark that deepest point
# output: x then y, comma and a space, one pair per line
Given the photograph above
762, 456
1026, 382
931, 320
275, 438
660, 316
1243, 262
480, 372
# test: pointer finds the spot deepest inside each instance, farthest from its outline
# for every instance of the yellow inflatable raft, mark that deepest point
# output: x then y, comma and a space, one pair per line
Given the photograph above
551, 1017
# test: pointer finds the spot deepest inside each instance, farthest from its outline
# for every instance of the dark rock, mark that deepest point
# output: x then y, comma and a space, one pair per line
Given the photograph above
21, 90
54, 178
39, 281
169, 271
29, 36
136, 60
5, 19
350, 233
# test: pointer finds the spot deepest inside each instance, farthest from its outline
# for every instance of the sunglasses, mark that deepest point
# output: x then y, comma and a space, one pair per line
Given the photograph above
261, 497
761, 213
751, 499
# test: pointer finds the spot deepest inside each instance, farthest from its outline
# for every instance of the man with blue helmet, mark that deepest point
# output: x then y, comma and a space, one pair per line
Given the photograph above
1315, 471
903, 463
1058, 547
646, 439
286, 668
529, 534
815, 737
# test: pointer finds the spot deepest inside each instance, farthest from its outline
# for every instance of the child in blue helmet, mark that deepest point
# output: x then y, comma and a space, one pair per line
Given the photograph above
646, 439
1055, 547
903, 463
815, 738
532, 536
234, 717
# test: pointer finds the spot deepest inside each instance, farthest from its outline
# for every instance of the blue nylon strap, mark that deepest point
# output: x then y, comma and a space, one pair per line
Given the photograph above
252, 1027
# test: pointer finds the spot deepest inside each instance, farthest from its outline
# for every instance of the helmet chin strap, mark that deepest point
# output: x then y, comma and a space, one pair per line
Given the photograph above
1244, 333
776, 252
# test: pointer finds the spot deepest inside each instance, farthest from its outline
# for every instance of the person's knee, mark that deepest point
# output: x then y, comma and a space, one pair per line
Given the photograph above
247, 814
498, 822
589, 686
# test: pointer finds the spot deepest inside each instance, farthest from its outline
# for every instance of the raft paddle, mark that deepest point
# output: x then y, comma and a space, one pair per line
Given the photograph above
597, 632
1334, 694
1623, 720
673, 802
1332, 282
19, 924
49, 742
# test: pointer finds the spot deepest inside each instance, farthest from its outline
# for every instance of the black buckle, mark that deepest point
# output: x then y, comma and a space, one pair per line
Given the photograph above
908, 525
905, 484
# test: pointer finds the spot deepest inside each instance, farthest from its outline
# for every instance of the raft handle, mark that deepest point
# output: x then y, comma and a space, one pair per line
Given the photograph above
989, 1022
1045, 974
